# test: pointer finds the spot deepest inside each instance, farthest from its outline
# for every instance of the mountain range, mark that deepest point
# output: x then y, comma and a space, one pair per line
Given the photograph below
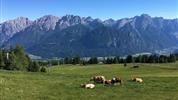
52, 36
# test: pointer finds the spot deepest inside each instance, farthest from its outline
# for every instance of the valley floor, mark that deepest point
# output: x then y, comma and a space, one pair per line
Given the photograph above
63, 83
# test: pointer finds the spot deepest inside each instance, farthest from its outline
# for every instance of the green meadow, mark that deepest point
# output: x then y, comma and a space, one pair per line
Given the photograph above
63, 83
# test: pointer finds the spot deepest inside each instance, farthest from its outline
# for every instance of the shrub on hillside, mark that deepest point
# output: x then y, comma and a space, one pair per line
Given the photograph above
34, 67
43, 69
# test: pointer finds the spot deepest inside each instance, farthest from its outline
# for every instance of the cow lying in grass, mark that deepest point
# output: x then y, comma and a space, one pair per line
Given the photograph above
98, 79
108, 82
117, 80
114, 81
139, 80
87, 86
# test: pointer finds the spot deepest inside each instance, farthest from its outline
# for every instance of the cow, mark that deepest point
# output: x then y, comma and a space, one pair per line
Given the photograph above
108, 82
139, 80
87, 86
98, 79
113, 81
116, 80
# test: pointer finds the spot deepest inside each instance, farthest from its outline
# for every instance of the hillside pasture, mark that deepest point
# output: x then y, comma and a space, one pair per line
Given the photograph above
63, 83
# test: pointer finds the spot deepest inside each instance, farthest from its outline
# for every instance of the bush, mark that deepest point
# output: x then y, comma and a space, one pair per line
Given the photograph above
136, 66
125, 64
43, 69
34, 67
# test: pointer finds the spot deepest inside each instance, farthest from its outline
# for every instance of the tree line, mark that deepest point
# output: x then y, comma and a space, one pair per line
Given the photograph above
113, 60
143, 59
16, 59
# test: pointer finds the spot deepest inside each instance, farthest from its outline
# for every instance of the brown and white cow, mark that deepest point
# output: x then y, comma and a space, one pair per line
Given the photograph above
108, 82
116, 80
98, 79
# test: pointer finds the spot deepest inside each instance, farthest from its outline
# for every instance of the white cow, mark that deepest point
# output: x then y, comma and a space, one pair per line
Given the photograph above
139, 80
88, 86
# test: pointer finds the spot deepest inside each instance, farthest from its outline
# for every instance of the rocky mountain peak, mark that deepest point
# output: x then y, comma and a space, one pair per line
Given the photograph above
109, 22
69, 20
47, 22
142, 21
88, 19
11, 27
145, 16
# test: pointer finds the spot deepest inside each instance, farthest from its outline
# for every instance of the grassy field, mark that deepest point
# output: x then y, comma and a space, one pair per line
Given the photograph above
62, 83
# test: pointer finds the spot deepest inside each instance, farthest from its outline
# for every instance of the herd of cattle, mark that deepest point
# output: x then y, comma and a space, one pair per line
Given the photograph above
102, 80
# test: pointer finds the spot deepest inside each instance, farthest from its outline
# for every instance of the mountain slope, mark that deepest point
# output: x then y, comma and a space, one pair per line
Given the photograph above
10, 28
71, 35
33, 33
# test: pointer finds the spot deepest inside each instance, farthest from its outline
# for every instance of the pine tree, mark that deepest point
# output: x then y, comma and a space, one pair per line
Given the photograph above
11, 63
129, 59
76, 60
93, 60
22, 60
122, 60
116, 60
108, 61
66, 60
138, 59
172, 58
144, 59
2, 64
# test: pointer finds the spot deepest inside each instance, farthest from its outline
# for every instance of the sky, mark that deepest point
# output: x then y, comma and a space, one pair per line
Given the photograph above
103, 9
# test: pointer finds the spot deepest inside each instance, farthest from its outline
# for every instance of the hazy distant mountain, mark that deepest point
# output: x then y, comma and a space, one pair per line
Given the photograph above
71, 35
32, 34
10, 28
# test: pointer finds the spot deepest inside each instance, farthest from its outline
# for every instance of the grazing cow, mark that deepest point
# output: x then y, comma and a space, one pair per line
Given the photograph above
87, 86
98, 79
116, 80
139, 80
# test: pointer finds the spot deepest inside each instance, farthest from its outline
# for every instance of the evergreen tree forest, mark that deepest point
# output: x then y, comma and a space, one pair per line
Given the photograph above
143, 59
16, 59
128, 59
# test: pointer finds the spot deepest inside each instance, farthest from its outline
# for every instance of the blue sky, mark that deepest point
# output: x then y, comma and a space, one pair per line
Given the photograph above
103, 9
